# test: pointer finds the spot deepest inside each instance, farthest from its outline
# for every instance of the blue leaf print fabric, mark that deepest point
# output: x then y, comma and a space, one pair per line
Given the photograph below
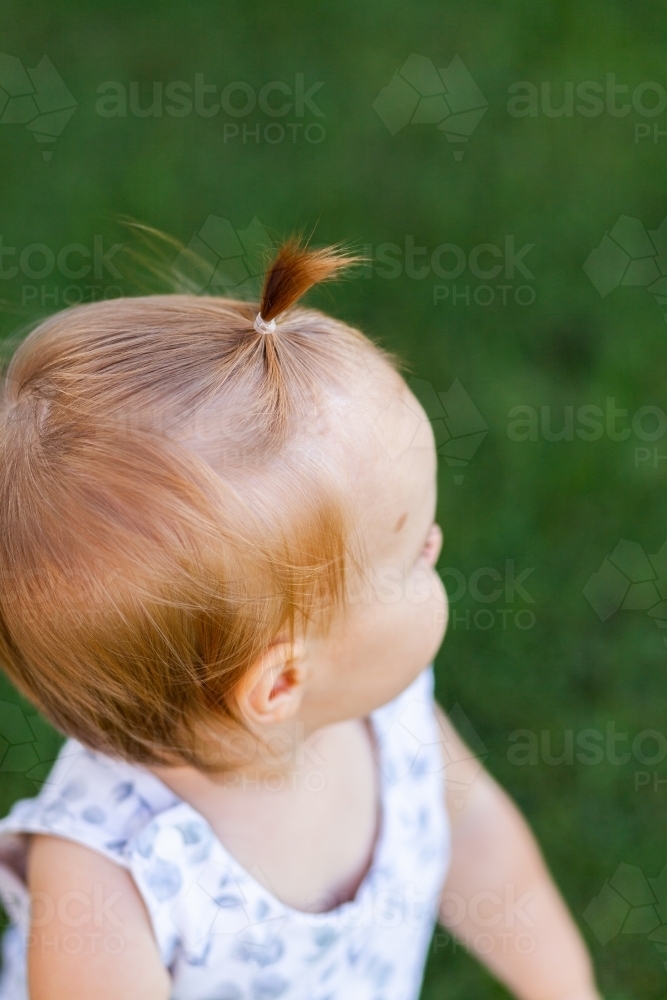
222, 934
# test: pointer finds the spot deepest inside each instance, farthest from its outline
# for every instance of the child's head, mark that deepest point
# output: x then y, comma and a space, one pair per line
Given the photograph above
207, 522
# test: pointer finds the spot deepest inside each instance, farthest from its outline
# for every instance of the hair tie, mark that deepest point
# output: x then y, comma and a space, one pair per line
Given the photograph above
262, 326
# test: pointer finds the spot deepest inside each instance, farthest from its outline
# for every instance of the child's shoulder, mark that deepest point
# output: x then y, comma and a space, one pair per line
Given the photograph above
98, 913
88, 799
91, 798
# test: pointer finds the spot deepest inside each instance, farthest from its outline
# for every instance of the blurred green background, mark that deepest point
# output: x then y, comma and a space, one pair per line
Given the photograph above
545, 662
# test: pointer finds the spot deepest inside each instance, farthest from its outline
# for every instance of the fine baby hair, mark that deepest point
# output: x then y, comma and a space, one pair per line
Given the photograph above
165, 507
217, 533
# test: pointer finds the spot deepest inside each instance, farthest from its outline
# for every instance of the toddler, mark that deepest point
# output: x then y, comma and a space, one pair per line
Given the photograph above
217, 579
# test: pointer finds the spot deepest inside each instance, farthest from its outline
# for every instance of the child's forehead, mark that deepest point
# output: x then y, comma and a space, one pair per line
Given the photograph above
391, 427
372, 436
393, 465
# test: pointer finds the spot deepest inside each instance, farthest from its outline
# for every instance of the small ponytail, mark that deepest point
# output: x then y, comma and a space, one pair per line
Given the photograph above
294, 270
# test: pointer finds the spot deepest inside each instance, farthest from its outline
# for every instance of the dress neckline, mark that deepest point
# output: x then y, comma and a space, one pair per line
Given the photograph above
243, 874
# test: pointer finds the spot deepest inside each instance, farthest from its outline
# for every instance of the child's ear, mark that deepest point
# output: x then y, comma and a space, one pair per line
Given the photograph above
273, 688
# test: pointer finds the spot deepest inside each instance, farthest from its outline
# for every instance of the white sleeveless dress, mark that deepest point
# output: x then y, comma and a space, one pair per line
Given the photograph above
221, 934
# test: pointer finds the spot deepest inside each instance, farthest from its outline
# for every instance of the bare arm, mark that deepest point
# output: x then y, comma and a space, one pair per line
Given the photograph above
90, 934
499, 898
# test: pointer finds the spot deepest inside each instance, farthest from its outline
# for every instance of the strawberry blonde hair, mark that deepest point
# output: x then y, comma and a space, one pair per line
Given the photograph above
139, 577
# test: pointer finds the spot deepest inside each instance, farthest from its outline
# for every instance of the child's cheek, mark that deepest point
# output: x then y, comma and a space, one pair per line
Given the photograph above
442, 610
438, 612
428, 609
411, 612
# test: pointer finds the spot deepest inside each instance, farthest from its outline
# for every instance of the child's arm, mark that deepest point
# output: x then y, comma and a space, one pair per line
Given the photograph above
498, 897
90, 933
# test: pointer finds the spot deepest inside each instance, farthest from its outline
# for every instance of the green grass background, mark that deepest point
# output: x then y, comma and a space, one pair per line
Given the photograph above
558, 183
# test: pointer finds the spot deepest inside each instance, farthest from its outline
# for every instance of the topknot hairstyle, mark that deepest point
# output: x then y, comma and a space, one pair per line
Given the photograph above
294, 271
164, 510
